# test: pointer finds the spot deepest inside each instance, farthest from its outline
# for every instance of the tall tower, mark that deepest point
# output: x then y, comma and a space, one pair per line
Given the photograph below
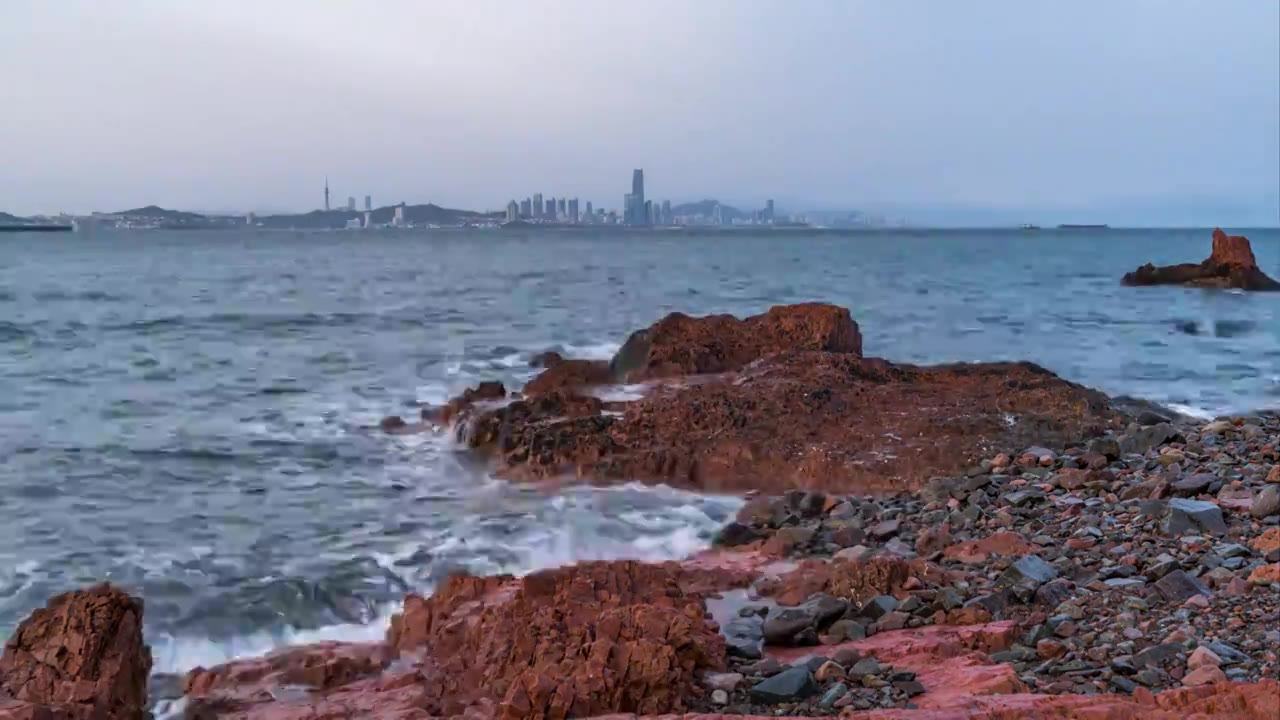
326, 193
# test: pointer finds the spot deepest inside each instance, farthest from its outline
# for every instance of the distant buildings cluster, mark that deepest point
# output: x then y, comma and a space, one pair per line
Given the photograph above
637, 211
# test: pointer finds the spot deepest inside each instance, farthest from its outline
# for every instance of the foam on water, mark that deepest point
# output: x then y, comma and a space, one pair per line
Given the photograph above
567, 528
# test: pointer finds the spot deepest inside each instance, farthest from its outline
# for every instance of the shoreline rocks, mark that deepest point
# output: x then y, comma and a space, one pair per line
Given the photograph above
778, 401
957, 541
1231, 264
81, 656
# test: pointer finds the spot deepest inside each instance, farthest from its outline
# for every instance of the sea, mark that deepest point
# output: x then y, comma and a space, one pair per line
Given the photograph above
193, 415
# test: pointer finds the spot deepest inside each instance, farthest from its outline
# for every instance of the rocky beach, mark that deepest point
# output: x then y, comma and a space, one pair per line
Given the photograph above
981, 540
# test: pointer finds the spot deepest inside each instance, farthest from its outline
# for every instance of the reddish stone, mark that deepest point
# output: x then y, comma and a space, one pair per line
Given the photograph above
1266, 575
1230, 265
976, 552
797, 419
682, 345
82, 655
569, 375
589, 639
854, 580
485, 391
1267, 541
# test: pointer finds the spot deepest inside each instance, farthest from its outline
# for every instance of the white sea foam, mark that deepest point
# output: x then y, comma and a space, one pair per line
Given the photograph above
563, 529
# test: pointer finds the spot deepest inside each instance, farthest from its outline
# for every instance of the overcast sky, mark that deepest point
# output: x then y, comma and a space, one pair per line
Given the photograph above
1120, 110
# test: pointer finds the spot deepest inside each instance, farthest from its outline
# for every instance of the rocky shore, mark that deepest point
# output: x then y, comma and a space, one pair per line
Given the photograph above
962, 541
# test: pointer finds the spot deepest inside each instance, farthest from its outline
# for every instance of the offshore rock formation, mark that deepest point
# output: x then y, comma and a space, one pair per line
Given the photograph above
81, 656
777, 401
1230, 265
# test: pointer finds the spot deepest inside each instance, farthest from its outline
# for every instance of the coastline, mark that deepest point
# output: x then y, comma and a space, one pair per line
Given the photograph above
816, 577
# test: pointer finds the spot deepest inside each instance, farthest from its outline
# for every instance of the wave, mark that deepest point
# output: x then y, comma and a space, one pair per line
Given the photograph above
47, 296
659, 524
267, 322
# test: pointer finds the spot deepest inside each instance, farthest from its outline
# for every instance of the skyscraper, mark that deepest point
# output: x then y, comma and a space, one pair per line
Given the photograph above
666, 213
573, 210
398, 220
537, 205
562, 212
513, 211
368, 203
768, 211
351, 204
526, 208
550, 212
326, 193
634, 212
591, 215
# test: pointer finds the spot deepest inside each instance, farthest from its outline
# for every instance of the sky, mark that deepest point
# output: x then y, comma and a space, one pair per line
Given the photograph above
1143, 112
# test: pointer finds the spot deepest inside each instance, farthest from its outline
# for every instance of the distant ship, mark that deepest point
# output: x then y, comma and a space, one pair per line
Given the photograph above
1082, 227
1029, 226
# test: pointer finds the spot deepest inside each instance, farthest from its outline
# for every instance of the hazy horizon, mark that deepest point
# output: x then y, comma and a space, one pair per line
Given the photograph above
1137, 113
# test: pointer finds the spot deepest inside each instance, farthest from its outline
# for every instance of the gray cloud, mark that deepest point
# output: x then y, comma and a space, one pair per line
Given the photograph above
1150, 111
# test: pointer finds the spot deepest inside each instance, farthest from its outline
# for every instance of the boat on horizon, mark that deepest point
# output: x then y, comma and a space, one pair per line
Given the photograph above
1028, 226
1069, 226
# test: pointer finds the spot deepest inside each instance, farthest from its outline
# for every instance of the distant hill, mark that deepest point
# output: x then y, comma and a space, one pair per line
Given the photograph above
707, 208
429, 214
154, 212
7, 219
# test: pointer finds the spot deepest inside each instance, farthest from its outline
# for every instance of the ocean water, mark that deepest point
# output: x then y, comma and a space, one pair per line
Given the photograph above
192, 415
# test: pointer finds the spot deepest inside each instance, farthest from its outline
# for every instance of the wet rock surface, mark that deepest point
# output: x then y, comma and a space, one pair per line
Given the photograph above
81, 656
1230, 265
778, 401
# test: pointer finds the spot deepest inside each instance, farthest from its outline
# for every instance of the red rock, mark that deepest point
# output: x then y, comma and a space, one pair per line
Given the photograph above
1267, 541
933, 539
485, 391
854, 580
81, 655
796, 419
1203, 657
1204, 675
1231, 250
682, 345
1230, 265
569, 375
589, 639
1273, 476
976, 552
1048, 649
1265, 575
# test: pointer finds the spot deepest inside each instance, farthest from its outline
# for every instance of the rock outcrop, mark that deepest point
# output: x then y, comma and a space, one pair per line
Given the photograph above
787, 418
682, 345
81, 656
1230, 265
578, 641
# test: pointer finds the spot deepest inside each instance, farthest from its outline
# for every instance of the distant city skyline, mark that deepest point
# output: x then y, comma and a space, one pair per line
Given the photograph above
1138, 112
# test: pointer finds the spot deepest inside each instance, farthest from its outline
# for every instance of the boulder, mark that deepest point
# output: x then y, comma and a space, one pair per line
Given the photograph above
1266, 503
682, 345
790, 685
1182, 516
810, 414
485, 391
1178, 587
590, 639
1230, 265
80, 656
787, 626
